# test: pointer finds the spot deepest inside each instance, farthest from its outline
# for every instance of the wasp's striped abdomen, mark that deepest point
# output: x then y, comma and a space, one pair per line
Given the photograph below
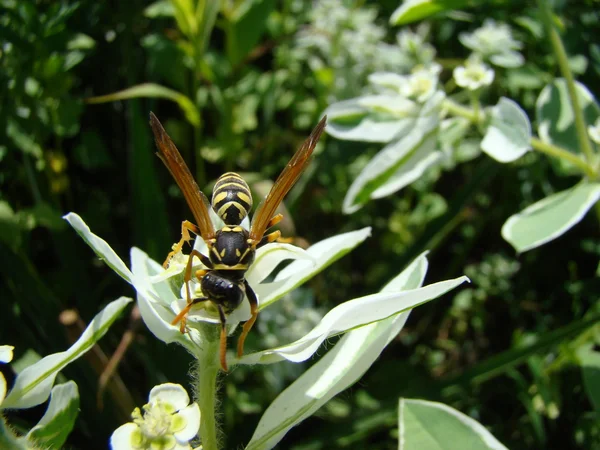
231, 198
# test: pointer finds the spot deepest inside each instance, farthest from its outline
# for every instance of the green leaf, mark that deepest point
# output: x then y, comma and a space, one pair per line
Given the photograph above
22, 139
551, 217
161, 8
66, 117
555, 118
10, 229
590, 365
41, 215
185, 17
503, 363
206, 15
337, 370
427, 425
54, 427
508, 135
414, 10
245, 26
151, 90
33, 384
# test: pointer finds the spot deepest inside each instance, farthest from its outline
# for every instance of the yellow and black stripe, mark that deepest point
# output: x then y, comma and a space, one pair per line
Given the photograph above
231, 198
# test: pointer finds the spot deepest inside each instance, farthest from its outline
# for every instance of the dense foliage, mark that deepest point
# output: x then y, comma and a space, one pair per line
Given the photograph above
239, 89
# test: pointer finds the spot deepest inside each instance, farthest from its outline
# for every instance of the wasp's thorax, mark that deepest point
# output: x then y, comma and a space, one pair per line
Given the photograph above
231, 250
231, 198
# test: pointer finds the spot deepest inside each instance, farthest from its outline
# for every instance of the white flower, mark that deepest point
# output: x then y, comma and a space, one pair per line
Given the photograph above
494, 42
6, 356
159, 290
168, 422
473, 75
422, 83
594, 131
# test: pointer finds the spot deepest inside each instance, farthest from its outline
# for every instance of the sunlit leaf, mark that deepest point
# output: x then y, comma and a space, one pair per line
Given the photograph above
52, 430
99, 245
555, 118
318, 256
152, 90
508, 135
414, 10
400, 162
350, 315
550, 217
33, 384
337, 370
425, 425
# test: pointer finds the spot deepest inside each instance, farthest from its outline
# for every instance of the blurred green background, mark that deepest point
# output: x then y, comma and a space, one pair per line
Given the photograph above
240, 91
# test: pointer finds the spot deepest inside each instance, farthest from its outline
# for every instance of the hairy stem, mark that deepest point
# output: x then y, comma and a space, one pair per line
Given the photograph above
207, 370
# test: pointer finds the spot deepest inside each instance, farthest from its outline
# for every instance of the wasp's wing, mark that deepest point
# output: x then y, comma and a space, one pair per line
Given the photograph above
284, 183
196, 200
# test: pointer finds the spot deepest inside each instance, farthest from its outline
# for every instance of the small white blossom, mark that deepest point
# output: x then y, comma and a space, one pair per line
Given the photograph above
422, 83
473, 75
594, 131
168, 422
6, 356
494, 42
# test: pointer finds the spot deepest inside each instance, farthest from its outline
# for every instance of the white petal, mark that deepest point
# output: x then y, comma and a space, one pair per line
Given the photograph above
192, 416
6, 353
270, 256
153, 299
121, 438
171, 393
2, 388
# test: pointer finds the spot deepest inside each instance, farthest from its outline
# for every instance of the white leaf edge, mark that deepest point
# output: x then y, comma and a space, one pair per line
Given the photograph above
33, 385
418, 130
487, 438
100, 247
495, 137
321, 255
507, 228
338, 369
62, 398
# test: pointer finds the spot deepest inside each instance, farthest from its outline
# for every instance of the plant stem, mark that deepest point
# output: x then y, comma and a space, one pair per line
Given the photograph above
563, 64
561, 153
459, 110
536, 143
207, 371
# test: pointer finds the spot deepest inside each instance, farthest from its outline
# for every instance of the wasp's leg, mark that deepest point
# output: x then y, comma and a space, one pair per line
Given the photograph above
248, 325
274, 220
187, 275
186, 227
223, 342
271, 237
181, 317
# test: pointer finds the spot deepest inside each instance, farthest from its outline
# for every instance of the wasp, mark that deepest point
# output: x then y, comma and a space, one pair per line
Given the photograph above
231, 249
